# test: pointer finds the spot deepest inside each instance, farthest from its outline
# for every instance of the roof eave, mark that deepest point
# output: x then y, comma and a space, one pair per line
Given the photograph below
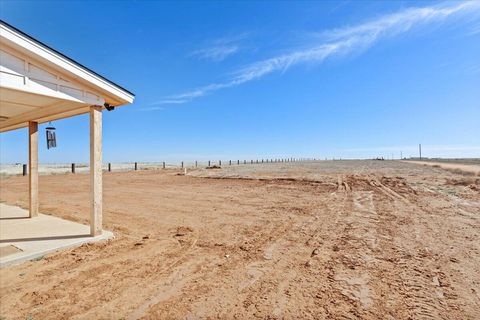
116, 93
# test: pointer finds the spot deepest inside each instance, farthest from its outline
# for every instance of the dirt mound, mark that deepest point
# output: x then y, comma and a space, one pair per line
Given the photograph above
183, 231
463, 182
398, 184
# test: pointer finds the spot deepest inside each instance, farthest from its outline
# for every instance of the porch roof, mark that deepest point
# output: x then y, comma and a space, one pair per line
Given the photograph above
38, 83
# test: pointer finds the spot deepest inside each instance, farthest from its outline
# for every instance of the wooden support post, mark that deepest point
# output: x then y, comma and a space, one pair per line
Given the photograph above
33, 168
96, 170
73, 167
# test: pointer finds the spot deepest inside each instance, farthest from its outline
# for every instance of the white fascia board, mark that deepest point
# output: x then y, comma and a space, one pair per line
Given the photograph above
65, 65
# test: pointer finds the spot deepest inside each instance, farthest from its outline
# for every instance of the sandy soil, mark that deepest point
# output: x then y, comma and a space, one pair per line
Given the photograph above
473, 169
324, 240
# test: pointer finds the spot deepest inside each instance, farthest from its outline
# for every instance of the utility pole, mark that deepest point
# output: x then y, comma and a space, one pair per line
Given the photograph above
420, 150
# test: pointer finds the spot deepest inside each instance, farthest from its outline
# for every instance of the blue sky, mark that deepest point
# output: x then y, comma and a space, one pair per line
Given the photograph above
243, 80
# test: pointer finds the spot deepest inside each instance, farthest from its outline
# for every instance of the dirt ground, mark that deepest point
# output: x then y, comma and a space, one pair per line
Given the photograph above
312, 240
468, 168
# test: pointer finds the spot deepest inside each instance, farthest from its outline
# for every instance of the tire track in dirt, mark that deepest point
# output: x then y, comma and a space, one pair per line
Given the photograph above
413, 279
370, 218
121, 267
227, 280
355, 249
268, 277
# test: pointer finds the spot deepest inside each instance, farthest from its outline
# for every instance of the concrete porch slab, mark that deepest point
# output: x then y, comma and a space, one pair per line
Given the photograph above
23, 238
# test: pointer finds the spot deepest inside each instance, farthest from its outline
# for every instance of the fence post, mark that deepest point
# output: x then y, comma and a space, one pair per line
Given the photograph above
24, 170
73, 167
109, 167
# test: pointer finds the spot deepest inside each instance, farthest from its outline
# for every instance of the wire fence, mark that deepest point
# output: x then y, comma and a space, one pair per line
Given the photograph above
109, 167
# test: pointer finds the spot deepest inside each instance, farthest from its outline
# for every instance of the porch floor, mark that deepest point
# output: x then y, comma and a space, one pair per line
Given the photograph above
23, 238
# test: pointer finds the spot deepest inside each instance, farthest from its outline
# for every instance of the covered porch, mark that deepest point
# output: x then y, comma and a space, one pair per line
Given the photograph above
24, 238
38, 84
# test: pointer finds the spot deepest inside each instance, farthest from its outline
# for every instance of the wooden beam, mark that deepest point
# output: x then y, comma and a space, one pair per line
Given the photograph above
58, 116
33, 168
96, 170
40, 115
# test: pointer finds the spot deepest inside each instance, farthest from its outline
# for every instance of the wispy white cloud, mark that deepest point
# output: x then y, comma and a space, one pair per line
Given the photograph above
339, 42
219, 49
475, 30
216, 53
156, 108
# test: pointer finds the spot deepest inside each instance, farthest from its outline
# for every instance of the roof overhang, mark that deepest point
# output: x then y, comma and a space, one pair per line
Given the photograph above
38, 83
